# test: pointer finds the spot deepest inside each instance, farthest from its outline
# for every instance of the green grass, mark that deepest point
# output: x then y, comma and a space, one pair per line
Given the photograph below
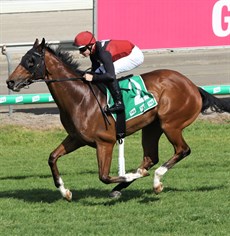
195, 200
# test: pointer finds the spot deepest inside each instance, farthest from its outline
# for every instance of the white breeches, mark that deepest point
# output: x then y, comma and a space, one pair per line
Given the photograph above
133, 60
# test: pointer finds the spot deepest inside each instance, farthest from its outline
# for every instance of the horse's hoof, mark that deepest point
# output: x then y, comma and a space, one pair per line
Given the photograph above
115, 194
158, 189
68, 195
143, 172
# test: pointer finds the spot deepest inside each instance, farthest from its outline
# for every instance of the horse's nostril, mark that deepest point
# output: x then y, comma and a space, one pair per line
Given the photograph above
10, 84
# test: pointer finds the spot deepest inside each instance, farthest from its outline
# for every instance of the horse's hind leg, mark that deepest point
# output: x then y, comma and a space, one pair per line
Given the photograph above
181, 151
150, 139
150, 142
67, 146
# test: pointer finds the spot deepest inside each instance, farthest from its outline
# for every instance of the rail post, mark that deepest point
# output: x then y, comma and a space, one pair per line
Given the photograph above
9, 62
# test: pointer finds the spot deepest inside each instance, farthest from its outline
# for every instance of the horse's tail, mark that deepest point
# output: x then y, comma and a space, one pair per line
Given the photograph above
215, 104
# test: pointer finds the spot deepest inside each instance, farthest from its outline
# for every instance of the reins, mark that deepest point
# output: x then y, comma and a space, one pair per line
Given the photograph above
90, 86
55, 80
102, 110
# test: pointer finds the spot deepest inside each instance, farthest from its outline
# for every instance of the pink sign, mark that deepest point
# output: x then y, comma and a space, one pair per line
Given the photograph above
153, 24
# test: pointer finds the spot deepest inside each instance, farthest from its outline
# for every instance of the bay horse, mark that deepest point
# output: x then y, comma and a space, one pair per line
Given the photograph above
179, 103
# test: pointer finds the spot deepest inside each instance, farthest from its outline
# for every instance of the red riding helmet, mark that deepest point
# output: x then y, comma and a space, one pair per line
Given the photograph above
83, 39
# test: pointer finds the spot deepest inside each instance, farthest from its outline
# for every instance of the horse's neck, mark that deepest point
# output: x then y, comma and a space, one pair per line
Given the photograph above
57, 69
63, 91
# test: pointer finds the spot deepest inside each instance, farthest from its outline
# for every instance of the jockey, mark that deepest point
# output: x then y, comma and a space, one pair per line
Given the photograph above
109, 58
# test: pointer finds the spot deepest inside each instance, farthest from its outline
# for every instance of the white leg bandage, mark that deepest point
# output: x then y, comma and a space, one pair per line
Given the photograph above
159, 172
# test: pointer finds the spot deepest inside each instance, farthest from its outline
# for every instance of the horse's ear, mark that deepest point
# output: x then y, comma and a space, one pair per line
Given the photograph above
43, 43
36, 43
41, 46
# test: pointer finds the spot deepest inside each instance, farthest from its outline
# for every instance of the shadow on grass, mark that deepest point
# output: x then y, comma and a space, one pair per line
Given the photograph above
33, 195
89, 197
198, 189
93, 196
25, 177
127, 195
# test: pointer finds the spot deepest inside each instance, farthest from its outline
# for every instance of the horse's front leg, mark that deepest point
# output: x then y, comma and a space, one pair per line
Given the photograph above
104, 156
68, 145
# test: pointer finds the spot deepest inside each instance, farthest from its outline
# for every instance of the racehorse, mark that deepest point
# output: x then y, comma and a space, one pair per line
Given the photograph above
179, 104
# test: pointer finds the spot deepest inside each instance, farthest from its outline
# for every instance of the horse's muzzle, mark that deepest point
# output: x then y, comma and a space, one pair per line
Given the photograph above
10, 84
17, 85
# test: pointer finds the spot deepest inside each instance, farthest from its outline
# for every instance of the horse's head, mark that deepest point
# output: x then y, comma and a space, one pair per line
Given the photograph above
31, 68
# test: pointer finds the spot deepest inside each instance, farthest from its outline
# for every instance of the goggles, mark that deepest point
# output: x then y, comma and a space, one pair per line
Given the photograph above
83, 49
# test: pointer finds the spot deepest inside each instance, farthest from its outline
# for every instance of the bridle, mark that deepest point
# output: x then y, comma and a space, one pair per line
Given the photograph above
34, 63
38, 70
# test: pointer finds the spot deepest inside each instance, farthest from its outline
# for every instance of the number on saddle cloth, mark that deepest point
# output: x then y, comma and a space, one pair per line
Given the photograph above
136, 98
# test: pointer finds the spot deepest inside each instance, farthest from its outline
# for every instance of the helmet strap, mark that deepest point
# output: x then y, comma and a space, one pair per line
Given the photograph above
90, 44
91, 39
90, 48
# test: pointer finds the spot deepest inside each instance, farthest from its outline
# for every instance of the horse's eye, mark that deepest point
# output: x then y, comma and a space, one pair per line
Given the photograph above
30, 62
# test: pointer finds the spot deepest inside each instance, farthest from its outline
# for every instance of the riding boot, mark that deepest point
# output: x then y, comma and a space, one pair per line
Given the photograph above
117, 97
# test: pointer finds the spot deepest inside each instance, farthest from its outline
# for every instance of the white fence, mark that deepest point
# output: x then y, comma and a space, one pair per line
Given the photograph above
19, 6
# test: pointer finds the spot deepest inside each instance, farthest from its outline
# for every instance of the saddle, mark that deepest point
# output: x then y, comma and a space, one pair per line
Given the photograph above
136, 98
120, 117
103, 84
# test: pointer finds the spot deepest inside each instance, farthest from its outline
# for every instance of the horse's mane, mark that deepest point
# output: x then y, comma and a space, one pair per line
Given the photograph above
66, 57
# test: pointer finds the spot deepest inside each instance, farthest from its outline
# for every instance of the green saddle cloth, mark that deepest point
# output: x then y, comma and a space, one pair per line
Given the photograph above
136, 98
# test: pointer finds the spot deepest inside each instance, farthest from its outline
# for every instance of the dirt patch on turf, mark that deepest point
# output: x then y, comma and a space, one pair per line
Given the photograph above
215, 117
31, 121
47, 121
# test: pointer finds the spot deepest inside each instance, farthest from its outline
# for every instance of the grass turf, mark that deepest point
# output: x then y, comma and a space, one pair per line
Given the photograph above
195, 200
